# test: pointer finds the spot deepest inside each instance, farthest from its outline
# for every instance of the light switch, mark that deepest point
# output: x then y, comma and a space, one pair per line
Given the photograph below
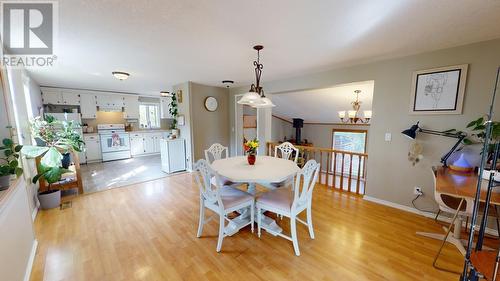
388, 137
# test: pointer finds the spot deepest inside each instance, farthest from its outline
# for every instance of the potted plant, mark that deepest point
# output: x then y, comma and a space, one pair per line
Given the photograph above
250, 148
52, 145
478, 135
9, 163
174, 112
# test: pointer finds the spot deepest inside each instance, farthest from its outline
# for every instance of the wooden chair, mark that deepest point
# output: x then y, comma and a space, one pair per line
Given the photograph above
222, 200
290, 203
286, 149
68, 180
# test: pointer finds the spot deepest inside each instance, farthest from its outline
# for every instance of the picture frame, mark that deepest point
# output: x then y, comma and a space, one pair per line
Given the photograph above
179, 96
438, 90
181, 121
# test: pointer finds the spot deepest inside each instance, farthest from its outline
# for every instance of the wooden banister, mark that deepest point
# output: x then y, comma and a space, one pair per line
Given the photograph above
343, 170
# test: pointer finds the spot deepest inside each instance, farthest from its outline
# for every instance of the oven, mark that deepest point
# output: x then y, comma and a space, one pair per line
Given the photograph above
115, 142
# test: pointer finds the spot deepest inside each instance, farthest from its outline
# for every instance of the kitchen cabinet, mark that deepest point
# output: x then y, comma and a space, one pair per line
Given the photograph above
70, 98
92, 148
136, 144
131, 107
156, 142
109, 100
149, 144
51, 96
173, 155
56, 96
88, 106
145, 143
164, 106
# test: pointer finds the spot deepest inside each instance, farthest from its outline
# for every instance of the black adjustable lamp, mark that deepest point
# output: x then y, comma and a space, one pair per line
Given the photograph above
412, 134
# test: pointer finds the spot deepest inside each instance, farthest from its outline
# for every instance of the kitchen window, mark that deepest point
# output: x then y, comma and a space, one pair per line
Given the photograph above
149, 115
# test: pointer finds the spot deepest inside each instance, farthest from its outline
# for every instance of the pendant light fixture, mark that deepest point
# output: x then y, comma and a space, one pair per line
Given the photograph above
352, 115
256, 97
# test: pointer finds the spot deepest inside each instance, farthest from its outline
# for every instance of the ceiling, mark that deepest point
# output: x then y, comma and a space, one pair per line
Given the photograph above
165, 42
322, 105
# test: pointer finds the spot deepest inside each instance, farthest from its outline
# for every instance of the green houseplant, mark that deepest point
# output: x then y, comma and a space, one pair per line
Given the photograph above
9, 162
54, 140
174, 112
477, 135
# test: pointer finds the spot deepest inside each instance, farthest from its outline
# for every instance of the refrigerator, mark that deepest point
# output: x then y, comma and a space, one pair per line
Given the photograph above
173, 155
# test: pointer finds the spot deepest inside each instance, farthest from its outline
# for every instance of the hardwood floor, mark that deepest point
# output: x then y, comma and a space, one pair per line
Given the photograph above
148, 232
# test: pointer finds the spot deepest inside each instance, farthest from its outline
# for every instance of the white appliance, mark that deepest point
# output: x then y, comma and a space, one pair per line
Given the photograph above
78, 129
173, 155
115, 142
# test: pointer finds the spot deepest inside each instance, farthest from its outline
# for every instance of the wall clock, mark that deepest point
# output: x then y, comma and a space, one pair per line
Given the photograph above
211, 104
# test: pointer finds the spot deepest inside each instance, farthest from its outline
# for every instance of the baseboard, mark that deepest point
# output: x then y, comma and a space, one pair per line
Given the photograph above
489, 231
29, 266
35, 212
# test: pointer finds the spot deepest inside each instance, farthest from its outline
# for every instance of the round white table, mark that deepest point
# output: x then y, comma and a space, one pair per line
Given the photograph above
267, 170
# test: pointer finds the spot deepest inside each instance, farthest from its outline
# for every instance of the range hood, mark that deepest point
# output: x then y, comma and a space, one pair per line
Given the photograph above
110, 108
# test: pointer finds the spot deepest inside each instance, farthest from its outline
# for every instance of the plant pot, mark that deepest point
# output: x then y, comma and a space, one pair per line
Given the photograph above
66, 160
4, 182
175, 133
50, 199
251, 159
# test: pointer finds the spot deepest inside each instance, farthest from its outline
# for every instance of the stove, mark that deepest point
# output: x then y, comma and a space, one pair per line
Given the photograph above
115, 142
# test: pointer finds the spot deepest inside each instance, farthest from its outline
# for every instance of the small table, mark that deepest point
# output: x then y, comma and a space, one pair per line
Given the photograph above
267, 170
461, 186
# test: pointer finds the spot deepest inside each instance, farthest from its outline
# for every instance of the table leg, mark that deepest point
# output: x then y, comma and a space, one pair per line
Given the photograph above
244, 217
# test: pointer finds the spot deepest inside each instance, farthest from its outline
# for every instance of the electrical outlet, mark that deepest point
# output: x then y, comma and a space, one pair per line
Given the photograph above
418, 191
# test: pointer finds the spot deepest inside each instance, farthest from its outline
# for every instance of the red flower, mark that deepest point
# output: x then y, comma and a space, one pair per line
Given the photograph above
246, 147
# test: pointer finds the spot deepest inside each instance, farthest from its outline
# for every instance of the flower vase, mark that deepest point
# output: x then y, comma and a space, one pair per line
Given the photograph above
251, 159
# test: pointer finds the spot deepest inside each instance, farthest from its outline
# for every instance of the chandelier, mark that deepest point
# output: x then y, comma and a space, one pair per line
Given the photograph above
352, 115
256, 97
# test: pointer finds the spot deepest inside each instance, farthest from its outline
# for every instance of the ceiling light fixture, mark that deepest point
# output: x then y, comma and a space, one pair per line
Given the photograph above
256, 97
120, 75
165, 94
227, 82
352, 115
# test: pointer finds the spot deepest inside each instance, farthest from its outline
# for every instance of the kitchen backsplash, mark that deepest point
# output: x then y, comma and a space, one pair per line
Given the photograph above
117, 118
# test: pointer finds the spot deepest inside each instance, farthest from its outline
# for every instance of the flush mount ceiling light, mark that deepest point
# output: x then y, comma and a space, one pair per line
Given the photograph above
165, 94
120, 75
352, 115
227, 83
256, 97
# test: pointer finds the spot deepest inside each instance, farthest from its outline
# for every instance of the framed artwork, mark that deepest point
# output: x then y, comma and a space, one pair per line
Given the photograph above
438, 90
181, 121
179, 96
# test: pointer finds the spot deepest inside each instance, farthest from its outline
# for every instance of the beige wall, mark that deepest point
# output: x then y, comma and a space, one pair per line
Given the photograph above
390, 176
209, 127
186, 131
281, 129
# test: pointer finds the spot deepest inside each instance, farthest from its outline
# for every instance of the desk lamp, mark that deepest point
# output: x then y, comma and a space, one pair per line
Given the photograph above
412, 134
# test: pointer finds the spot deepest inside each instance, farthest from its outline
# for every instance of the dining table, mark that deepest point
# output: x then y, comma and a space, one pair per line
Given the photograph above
267, 171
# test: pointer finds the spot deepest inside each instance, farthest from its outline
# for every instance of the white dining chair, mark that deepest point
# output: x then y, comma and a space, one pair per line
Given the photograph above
290, 203
286, 149
222, 200
217, 151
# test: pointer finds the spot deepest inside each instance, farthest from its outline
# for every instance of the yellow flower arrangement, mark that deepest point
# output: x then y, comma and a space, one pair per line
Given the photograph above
251, 146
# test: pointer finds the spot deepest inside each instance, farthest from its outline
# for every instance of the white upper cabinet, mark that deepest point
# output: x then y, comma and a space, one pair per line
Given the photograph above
51, 96
110, 100
70, 98
164, 106
61, 97
88, 106
131, 107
